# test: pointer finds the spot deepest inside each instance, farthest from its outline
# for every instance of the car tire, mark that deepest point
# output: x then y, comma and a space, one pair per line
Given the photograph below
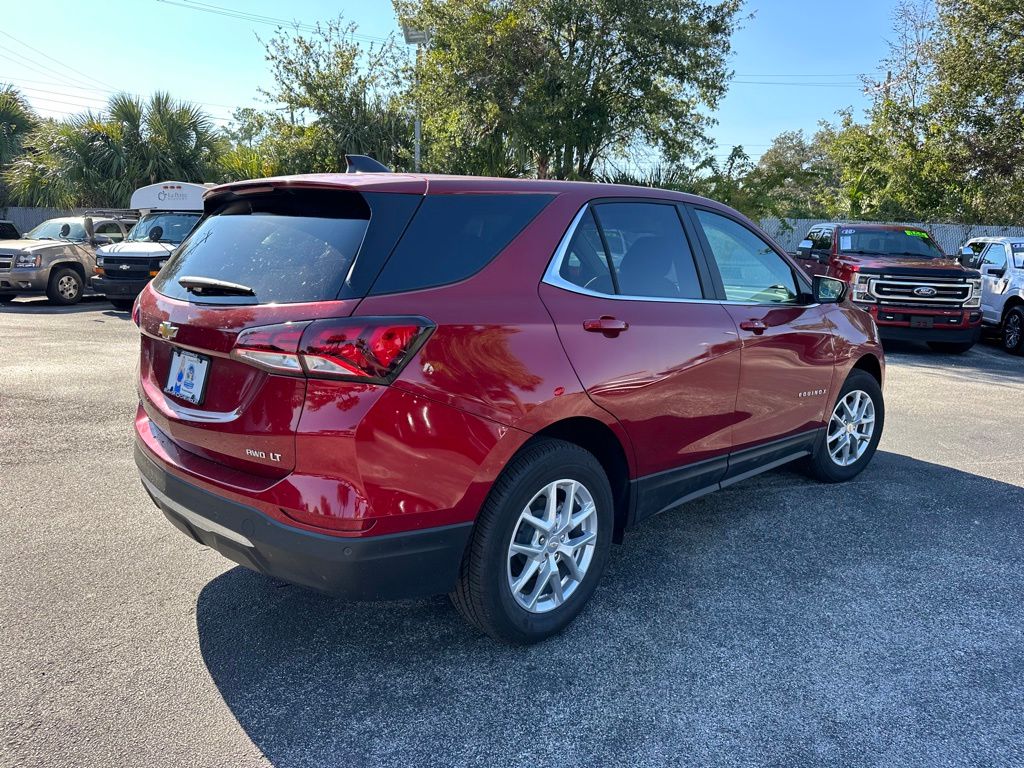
122, 305
1012, 332
495, 585
65, 287
830, 463
950, 347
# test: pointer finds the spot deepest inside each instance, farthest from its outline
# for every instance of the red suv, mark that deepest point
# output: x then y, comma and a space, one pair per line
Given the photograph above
384, 385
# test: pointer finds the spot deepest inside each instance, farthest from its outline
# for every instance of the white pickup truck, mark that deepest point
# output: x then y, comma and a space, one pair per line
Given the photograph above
1001, 263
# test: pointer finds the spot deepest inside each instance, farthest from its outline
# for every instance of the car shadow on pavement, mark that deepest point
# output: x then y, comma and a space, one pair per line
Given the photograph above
43, 306
986, 362
777, 622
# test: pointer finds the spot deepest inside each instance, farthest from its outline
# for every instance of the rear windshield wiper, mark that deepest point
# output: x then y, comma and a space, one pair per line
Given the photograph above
211, 286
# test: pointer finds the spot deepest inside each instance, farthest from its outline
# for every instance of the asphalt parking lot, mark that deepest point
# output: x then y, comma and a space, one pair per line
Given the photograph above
779, 622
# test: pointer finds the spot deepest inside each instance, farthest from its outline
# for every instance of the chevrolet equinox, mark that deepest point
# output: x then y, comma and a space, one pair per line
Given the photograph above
388, 386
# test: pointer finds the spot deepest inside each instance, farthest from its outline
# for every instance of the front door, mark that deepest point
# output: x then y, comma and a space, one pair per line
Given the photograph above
993, 267
788, 357
628, 299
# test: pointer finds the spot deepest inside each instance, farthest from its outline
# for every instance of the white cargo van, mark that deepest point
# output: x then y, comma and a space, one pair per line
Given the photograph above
168, 211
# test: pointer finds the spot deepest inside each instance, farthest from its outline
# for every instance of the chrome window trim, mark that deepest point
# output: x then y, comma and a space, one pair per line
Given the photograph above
554, 279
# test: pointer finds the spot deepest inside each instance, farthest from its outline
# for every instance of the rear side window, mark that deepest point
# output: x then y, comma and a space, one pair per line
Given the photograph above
649, 250
287, 246
454, 236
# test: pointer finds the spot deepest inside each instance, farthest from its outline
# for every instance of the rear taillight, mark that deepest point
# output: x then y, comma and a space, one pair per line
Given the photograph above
368, 349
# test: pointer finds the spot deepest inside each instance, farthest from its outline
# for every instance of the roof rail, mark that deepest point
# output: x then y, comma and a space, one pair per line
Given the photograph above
364, 164
113, 213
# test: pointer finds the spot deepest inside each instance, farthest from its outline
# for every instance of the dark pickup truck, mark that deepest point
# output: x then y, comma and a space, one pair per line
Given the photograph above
897, 273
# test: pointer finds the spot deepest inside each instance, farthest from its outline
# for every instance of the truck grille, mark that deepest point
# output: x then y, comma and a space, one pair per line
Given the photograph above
128, 269
5, 263
933, 291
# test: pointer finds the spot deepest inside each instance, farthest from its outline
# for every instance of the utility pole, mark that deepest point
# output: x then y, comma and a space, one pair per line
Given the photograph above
417, 37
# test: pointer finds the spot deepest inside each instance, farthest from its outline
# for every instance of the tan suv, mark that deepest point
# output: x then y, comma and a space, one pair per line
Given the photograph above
58, 256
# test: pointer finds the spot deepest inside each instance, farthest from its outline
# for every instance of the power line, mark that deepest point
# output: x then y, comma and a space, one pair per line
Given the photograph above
56, 61
256, 18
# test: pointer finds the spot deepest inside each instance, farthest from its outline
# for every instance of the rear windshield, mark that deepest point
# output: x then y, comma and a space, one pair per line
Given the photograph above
908, 243
287, 246
455, 236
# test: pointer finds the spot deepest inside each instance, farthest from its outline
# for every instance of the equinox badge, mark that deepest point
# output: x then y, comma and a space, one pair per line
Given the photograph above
167, 330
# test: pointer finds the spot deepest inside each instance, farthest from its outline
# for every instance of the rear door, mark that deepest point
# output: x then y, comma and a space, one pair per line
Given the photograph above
788, 356
630, 302
304, 254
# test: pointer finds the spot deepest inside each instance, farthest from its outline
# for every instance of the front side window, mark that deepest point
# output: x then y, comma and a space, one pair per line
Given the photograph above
751, 270
110, 229
995, 256
653, 258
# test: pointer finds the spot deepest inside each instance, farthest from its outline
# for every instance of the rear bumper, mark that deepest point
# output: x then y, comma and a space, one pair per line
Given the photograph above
118, 289
401, 565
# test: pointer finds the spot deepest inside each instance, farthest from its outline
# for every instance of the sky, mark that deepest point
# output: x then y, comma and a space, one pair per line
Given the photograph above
795, 61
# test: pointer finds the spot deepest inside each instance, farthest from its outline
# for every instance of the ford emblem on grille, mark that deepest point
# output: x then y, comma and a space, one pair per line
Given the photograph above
925, 291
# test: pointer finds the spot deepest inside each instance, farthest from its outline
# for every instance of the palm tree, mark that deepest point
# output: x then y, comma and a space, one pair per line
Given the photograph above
16, 121
99, 159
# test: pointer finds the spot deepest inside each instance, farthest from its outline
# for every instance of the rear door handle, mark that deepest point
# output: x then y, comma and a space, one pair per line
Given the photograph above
757, 327
607, 325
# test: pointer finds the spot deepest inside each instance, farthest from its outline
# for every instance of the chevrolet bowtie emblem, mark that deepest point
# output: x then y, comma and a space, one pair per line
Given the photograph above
167, 330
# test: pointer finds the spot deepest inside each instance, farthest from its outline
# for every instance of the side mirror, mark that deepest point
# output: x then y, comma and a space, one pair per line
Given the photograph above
99, 240
968, 258
90, 230
828, 290
996, 271
804, 249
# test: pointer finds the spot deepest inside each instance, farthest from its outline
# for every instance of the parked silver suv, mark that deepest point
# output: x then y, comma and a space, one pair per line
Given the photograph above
1001, 263
58, 256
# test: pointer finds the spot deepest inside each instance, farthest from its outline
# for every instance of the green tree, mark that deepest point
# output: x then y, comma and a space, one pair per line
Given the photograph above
556, 88
99, 159
976, 104
17, 119
331, 96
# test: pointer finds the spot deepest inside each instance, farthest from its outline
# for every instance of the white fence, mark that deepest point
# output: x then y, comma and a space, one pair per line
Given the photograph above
948, 236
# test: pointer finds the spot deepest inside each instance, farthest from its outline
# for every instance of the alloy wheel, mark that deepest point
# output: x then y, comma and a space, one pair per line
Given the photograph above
1012, 331
67, 287
552, 546
851, 427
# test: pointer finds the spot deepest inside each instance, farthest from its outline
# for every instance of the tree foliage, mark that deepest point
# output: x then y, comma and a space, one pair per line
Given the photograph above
331, 96
99, 159
557, 87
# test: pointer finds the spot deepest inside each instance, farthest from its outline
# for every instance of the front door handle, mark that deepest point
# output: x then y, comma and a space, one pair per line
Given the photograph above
757, 327
606, 324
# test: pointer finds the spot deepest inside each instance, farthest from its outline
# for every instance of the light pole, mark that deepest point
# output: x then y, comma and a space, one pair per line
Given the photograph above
416, 37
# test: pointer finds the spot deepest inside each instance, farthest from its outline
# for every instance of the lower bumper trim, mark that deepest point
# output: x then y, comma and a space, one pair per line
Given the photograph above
387, 567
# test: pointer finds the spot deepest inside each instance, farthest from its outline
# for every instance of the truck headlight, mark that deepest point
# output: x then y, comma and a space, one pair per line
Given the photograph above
99, 261
28, 260
161, 264
975, 298
861, 285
